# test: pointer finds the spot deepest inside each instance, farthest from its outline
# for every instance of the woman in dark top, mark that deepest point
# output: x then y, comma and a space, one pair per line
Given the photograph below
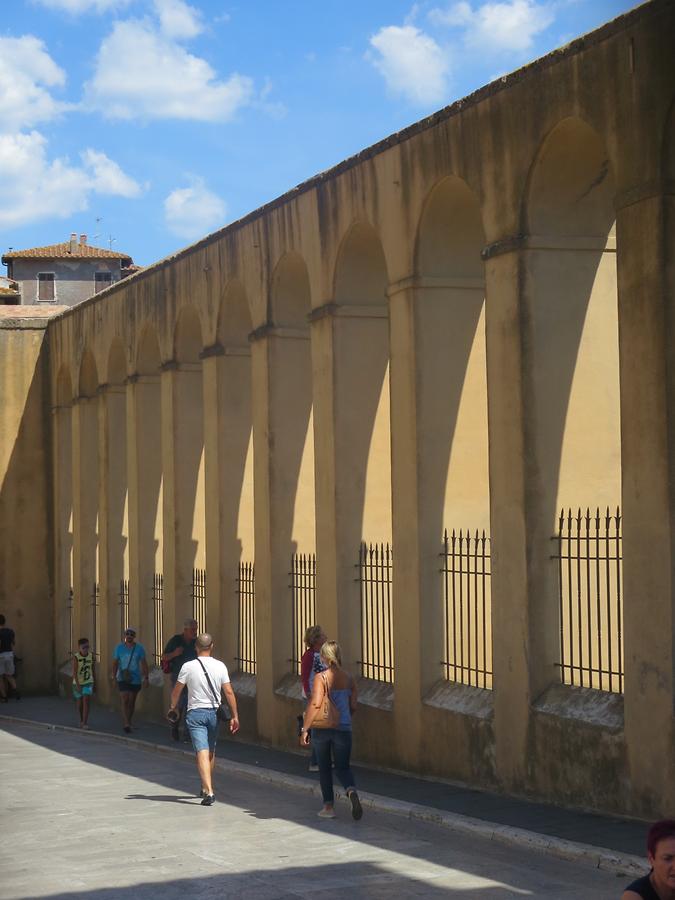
660, 883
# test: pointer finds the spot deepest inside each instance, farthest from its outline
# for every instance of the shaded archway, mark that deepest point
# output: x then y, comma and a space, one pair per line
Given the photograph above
145, 491
86, 475
63, 506
187, 523
571, 360
447, 305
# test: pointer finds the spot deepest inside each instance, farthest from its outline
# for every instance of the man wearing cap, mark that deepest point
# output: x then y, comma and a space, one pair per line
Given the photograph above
129, 671
207, 682
180, 649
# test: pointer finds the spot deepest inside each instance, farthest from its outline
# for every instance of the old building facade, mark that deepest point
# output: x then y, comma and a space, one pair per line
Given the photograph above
464, 330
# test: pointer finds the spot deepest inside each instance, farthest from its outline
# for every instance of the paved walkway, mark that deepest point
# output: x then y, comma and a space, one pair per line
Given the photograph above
93, 818
624, 837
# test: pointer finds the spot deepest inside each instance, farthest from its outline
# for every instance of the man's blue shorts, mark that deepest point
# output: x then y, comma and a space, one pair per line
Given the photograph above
203, 727
85, 690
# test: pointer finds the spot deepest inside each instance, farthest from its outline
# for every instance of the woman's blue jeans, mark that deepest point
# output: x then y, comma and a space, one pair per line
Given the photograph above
325, 741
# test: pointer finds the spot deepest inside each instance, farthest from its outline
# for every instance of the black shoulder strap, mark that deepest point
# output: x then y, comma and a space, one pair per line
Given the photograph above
213, 690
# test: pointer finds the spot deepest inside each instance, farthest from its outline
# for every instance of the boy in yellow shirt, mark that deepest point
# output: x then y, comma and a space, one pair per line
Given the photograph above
83, 679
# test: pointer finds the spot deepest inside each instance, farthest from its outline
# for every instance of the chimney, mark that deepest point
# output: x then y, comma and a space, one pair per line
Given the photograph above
73, 242
83, 240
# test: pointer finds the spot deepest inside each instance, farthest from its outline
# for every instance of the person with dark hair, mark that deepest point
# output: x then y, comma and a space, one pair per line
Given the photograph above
179, 650
660, 883
7, 681
130, 672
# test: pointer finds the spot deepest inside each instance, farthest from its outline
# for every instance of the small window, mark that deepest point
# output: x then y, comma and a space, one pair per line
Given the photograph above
102, 280
46, 292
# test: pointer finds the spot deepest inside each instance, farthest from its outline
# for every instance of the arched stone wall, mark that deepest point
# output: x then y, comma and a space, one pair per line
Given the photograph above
63, 506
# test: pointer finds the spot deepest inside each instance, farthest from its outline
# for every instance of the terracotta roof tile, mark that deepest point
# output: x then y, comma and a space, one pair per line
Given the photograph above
63, 251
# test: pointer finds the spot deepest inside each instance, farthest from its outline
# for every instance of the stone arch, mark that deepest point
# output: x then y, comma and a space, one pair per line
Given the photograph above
88, 377
290, 301
234, 317
64, 387
117, 363
361, 268
148, 356
188, 343
450, 235
571, 186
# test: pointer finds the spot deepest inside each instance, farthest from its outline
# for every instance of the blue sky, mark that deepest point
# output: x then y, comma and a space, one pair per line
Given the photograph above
150, 123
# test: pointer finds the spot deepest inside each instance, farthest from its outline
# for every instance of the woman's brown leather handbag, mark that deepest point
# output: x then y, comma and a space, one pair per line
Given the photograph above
328, 715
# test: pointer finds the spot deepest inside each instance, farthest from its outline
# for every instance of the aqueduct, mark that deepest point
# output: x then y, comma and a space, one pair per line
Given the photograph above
465, 328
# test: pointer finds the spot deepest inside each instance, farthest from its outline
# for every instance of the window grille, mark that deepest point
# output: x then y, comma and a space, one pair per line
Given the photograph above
303, 598
377, 640
246, 644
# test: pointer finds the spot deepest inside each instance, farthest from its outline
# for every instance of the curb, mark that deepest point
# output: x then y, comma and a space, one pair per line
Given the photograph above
599, 857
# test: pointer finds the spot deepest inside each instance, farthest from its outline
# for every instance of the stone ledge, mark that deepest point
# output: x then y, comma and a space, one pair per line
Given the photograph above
244, 684
376, 694
462, 699
290, 686
598, 708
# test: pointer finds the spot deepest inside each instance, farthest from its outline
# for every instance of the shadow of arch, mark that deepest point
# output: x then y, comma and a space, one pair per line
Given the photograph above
290, 305
188, 437
568, 214
115, 476
570, 358
86, 484
451, 387
63, 483
235, 462
145, 392
362, 395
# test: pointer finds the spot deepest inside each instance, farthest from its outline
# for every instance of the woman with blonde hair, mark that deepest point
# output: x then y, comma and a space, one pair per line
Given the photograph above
341, 688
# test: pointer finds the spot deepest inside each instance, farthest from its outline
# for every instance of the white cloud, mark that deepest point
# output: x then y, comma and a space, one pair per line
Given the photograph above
84, 6
178, 19
141, 73
107, 177
36, 189
26, 73
506, 27
411, 62
193, 211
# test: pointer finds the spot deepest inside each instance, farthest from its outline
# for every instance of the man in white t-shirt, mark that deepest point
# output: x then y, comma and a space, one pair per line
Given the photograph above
207, 682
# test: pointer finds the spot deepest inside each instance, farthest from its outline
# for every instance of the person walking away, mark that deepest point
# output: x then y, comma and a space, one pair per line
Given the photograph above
130, 671
310, 664
7, 680
342, 690
83, 680
659, 884
180, 649
207, 682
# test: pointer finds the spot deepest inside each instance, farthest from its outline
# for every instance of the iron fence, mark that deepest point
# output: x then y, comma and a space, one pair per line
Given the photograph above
246, 647
468, 608
377, 640
303, 594
589, 553
124, 605
158, 616
199, 598
96, 621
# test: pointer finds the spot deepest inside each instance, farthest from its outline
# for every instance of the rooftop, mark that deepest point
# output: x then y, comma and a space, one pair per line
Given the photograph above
67, 250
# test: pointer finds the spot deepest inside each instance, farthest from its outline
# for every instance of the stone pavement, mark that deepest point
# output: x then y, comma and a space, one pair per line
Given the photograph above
93, 818
626, 838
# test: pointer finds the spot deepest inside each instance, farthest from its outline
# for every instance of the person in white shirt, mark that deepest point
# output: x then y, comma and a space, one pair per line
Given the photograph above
207, 682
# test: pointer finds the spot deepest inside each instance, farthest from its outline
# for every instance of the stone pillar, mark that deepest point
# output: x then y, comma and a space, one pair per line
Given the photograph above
229, 488
85, 513
645, 245
173, 609
280, 388
519, 670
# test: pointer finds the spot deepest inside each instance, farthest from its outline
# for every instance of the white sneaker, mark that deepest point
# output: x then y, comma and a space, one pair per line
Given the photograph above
313, 768
326, 813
